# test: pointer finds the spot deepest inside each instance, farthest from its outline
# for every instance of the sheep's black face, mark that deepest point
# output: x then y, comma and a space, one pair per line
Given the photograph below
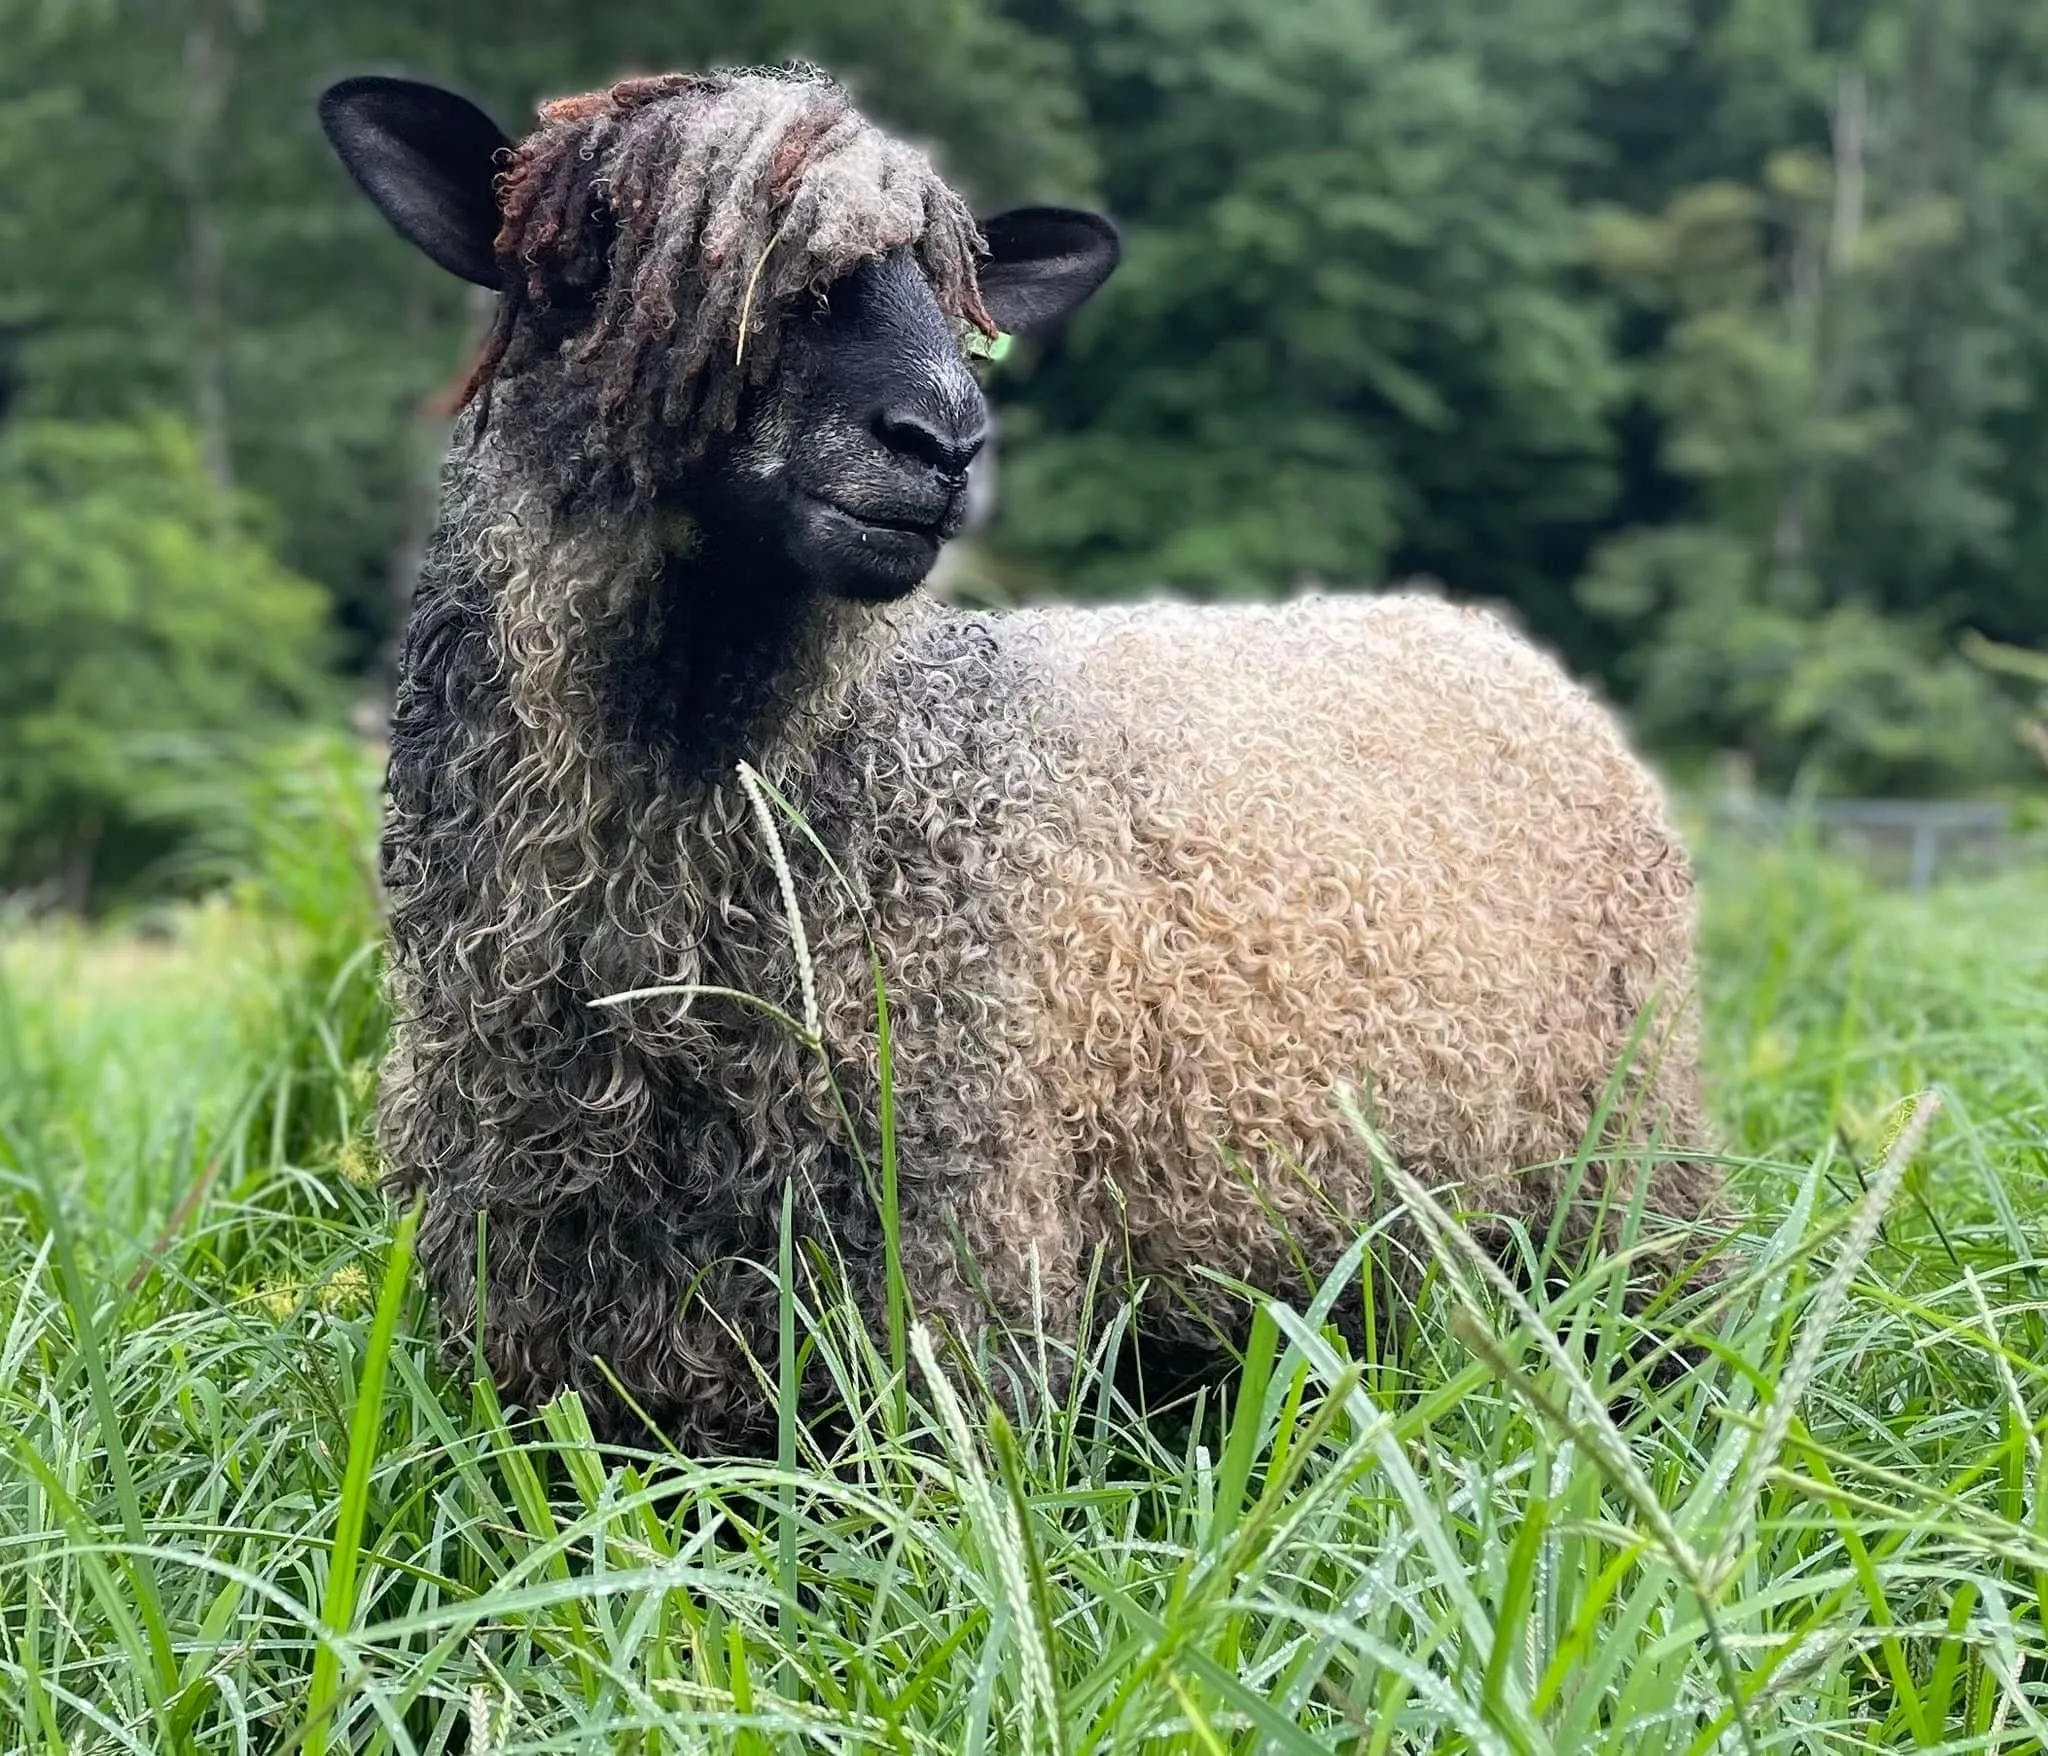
842, 474
851, 467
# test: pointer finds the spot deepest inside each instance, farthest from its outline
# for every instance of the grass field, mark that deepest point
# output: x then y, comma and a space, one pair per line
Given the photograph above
242, 1510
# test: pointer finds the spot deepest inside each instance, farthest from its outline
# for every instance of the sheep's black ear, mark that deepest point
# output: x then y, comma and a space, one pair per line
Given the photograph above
1044, 263
429, 160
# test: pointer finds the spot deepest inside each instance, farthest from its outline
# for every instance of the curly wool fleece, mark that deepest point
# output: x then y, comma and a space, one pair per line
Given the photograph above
1145, 885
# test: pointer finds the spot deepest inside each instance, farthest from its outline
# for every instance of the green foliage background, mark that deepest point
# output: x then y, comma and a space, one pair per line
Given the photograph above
142, 609
1704, 333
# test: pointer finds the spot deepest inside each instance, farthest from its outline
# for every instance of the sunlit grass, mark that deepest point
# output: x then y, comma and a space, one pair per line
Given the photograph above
242, 1507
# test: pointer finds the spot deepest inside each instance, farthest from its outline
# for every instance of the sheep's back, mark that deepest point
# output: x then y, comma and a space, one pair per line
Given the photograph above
1377, 842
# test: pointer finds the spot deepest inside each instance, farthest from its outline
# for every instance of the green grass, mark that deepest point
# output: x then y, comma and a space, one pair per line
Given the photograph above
243, 1509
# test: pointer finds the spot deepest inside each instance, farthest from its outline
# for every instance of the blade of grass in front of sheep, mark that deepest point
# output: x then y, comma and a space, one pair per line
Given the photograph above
707, 991
1247, 1426
479, 1365
1518, 1595
799, 940
1524, 1559
760, 788
338, 1601
785, 1416
892, 1213
1590, 1142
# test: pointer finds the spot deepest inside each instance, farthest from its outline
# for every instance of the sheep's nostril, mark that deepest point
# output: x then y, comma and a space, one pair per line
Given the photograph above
944, 445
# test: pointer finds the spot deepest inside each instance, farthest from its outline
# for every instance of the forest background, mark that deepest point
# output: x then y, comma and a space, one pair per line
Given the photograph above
1707, 335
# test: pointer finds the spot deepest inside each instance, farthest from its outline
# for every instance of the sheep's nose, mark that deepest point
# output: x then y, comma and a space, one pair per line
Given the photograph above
948, 442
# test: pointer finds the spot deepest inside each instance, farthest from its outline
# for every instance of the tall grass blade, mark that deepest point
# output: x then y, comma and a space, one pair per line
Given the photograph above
366, 1424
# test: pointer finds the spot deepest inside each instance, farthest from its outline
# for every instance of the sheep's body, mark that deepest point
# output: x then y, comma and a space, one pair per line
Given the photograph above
1375, 842
1146, 885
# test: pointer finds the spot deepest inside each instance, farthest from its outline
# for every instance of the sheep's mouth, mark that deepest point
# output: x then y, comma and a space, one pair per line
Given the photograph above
876, 554
933, 529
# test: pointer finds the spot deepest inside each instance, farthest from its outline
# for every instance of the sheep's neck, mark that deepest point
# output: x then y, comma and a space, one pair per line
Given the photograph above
708, 683
741, 661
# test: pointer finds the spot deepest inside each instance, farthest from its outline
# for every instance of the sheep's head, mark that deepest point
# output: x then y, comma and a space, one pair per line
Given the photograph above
727, 296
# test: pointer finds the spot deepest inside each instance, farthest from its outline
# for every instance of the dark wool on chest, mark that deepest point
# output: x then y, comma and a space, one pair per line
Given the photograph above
627, 1163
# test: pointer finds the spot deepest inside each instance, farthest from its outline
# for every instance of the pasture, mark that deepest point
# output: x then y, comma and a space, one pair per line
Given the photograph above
243, 1508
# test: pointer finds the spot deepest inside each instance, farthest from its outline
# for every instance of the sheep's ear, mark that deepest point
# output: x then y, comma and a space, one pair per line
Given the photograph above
1044, 263
429, 160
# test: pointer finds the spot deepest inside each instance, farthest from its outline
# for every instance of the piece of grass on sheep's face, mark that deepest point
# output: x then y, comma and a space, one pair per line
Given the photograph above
732, 296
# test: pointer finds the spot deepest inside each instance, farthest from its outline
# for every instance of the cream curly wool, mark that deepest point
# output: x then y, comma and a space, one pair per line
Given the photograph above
1368, 841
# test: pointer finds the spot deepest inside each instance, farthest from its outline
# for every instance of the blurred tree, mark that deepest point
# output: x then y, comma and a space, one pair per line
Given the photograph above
140, 607
2030, 669
1352, 326
1833, 363
1624, 311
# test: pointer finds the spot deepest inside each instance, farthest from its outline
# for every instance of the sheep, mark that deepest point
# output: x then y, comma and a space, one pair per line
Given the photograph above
1145, 885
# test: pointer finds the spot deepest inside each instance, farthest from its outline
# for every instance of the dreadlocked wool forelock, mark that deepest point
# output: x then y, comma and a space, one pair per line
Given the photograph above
692, 211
